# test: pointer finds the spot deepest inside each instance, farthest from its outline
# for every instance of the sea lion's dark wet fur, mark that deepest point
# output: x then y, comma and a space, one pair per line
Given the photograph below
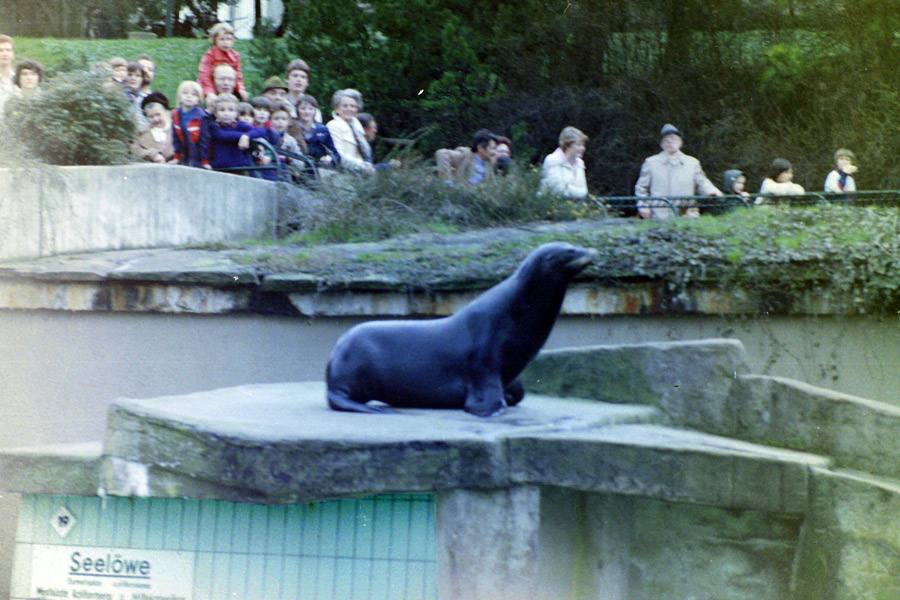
470, 360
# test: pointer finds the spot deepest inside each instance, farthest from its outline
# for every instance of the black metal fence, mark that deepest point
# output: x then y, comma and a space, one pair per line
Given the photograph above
681, 205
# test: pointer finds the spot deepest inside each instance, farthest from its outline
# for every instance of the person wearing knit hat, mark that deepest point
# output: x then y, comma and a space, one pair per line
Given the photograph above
275, 90
671, 174
157, 98
153, 142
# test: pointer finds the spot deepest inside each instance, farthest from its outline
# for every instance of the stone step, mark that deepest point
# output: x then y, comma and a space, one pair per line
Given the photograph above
658, 461
279, 443
687, 381
705, 386
72, 469
856, 432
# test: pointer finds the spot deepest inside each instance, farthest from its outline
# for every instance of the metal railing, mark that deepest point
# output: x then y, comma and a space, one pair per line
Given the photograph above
666, 206
297, 166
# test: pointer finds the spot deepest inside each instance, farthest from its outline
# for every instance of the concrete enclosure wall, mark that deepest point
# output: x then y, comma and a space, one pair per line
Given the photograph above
55, 210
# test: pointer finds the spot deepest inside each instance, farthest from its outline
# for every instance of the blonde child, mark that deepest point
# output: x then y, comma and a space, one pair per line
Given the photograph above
221, 38
190, 127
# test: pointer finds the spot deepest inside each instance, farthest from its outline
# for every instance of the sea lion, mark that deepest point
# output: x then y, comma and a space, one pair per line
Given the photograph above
469, 360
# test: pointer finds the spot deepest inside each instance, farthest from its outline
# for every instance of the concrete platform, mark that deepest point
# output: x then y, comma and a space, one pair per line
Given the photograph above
280, 444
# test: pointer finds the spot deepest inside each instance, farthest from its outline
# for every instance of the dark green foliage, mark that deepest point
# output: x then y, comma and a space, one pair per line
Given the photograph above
79, 119
746, 81
414, 199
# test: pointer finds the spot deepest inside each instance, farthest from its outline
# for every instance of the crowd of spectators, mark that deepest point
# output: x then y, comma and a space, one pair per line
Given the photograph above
283, 114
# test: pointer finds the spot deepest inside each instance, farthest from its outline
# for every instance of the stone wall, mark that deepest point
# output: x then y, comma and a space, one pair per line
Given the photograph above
55, 210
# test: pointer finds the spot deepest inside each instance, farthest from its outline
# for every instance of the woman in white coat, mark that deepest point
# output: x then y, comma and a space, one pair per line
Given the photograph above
347, 132
562, 173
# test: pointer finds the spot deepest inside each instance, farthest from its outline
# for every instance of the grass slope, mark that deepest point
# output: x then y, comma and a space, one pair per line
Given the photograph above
176, 58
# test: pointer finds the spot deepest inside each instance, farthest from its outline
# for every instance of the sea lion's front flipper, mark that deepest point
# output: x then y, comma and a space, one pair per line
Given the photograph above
485, 397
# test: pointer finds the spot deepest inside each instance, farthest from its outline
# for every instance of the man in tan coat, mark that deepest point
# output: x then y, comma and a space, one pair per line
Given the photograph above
671, 174
472, 165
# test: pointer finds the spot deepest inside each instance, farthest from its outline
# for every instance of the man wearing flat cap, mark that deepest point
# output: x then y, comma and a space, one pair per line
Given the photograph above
671, 174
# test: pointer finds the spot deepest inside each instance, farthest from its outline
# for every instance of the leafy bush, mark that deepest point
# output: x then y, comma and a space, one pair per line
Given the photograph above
78, 119
413, 199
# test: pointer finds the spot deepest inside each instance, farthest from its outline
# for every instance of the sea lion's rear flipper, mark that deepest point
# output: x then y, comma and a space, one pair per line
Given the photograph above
342, 402
485, 397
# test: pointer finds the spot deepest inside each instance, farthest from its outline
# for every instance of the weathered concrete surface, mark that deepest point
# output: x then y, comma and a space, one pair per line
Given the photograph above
557, 498
689, 551
705, 386
488, 543
130, 280
280, 443
613, 547
58, 210
850, 541
689, 381
672, 464
59, 469
856, 432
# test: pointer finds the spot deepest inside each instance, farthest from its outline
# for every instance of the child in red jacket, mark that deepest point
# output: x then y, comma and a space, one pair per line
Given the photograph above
221, 38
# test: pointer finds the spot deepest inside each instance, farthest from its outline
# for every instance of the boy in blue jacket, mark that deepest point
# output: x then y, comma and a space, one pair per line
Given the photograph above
230, 138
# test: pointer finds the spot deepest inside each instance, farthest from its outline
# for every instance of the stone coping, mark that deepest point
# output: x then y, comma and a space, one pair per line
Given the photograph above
58, 469
218, 281
279, 443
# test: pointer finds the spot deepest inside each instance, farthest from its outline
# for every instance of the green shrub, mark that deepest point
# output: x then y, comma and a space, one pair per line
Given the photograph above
78, 119
413, 199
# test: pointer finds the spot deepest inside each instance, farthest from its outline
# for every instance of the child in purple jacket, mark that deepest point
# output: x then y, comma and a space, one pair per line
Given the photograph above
230, 138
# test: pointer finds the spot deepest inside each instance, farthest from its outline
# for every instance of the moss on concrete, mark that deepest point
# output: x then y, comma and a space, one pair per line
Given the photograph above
784, 255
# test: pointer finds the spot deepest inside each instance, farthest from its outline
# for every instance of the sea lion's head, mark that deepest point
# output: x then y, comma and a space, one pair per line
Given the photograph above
559, 258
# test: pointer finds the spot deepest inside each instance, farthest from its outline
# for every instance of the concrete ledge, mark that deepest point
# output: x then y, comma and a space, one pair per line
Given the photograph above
57, 210
72, 469
279, 443
162, 281
856, 432
670, 464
